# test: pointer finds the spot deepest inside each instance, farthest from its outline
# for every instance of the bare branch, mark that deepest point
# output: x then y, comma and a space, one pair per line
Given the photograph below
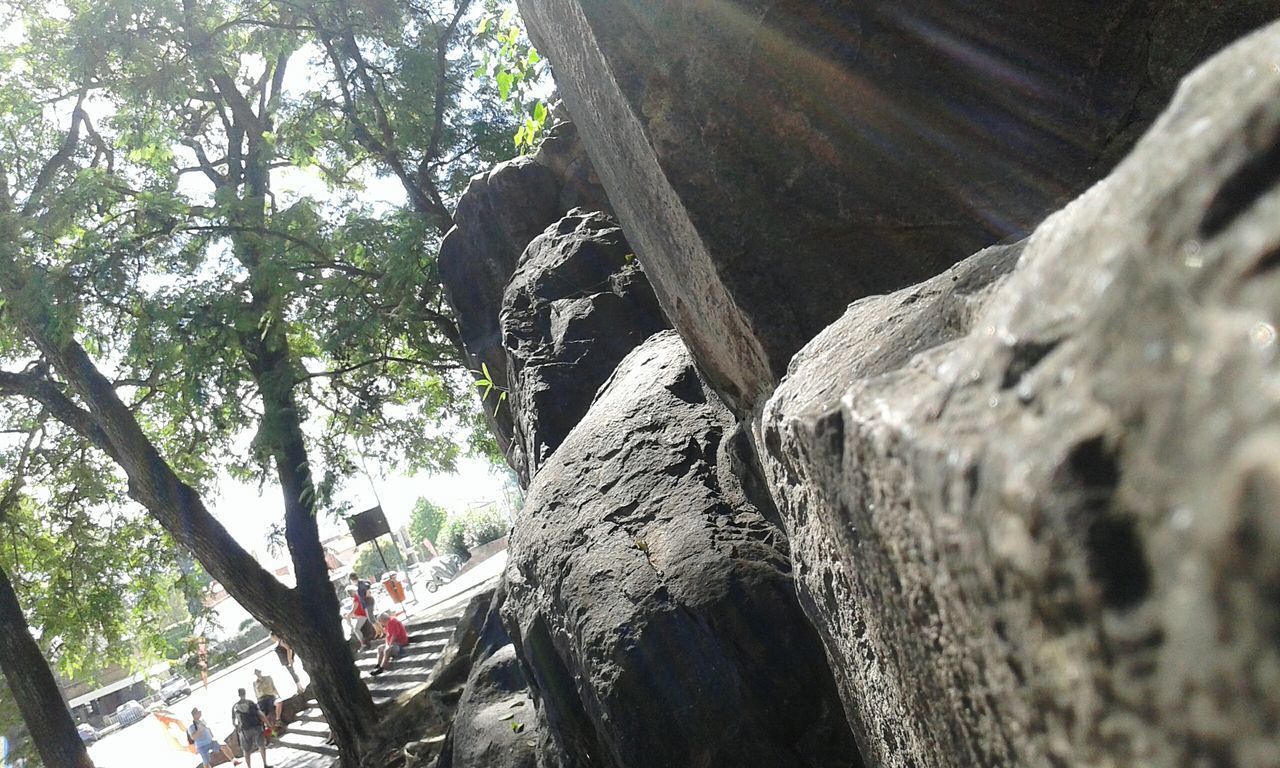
60, 158
381, 360
442, 82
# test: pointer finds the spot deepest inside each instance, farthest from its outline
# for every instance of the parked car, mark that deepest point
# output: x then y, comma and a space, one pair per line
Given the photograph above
175, 688
87, 733
129, 713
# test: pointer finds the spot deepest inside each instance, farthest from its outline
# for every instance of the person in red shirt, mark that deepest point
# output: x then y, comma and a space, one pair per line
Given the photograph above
358, 616
397, 639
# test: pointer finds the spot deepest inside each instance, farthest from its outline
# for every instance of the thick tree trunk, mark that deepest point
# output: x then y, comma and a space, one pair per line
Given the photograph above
319, 640
339, 691
35, 688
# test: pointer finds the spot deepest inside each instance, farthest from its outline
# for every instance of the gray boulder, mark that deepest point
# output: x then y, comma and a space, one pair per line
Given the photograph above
651, 597
494, 724
498, 215
577, 304
774, 160
1036, 513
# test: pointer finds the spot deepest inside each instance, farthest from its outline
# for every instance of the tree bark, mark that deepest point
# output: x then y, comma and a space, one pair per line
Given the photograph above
326, 655
35, 688
306, 617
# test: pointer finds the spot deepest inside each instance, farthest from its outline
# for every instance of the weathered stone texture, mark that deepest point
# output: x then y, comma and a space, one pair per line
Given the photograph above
1036, 516
652, 600
577, 304
499, 214
493, 727
773, 160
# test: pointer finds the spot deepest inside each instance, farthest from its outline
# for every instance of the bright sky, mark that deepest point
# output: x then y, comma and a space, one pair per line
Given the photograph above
248, 514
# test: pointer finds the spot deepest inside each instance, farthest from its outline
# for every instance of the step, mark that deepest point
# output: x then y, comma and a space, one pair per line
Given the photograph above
412, 655
319, 749
312, 715
395, 677
440, 623
320, 729
420, 663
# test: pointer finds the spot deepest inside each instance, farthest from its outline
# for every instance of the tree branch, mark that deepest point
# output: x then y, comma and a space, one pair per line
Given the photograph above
377, 361
60, 158
442, 82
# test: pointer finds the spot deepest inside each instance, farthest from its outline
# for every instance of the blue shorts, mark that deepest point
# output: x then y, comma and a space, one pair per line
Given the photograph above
206, 749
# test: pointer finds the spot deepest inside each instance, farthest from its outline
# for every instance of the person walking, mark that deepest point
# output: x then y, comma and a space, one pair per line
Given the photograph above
358, 617
269, 703
199, 734
397, 639
285, 654
363, 592
247, 719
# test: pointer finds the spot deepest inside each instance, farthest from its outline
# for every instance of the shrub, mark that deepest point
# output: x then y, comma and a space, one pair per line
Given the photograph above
485, 525
463, 533
453, 537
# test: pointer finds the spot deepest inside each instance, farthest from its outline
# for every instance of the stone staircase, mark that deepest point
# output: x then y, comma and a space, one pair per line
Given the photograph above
309, 733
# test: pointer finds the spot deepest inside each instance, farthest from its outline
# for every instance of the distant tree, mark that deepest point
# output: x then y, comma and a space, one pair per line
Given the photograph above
468, 530
369, 564
426, 521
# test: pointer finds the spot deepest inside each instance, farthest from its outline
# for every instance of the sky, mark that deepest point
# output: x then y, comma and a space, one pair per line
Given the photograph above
248, 514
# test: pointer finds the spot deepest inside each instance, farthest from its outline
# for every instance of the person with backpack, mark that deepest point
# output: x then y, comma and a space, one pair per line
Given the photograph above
247, 719
199, 735
358, 618
364, 596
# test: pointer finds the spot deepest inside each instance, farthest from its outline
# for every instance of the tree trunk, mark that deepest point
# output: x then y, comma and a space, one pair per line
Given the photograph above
36, 689
341, 694
307, 617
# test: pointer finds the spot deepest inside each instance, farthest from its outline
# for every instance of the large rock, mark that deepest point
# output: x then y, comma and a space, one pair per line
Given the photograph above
1037, 518
493, 727
498, 215
577, 304
773, 160
651, 598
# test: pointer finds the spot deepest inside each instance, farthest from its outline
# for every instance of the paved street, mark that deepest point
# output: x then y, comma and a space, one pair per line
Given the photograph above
146, 743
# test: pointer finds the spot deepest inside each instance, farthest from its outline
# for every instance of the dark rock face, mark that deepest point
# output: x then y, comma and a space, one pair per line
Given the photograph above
651, 598
774, 160
499, 214
494, 720
575, 307
494, 724
1036, 513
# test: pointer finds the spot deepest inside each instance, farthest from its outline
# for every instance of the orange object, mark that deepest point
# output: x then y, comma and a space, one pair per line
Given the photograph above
176, 730
395, 589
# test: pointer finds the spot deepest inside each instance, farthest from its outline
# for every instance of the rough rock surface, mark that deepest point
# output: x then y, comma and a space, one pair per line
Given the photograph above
498, 215
454, 666
493, 726
774, 160
577, 304
652, 600
494, 722
1037, 518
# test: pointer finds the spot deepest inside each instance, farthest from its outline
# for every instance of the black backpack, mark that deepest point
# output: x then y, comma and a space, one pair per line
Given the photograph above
246, 716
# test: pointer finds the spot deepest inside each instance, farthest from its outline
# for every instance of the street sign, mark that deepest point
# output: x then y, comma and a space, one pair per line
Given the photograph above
368, 525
